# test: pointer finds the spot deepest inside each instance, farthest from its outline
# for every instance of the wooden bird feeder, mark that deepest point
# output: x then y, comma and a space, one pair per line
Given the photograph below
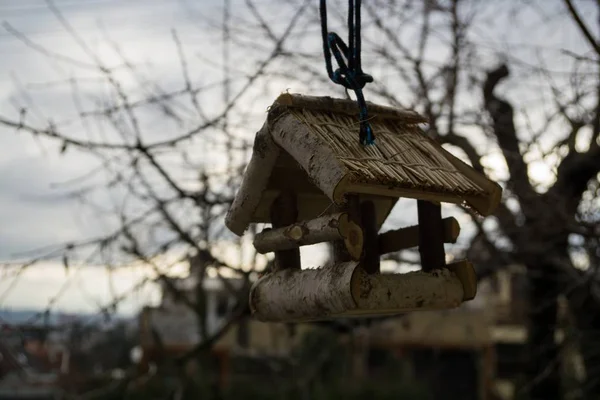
311, 179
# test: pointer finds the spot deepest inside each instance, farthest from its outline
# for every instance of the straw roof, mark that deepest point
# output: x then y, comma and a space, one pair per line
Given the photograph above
402, 157
310, 145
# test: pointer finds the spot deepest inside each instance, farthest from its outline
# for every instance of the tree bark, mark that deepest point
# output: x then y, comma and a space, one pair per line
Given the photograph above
584, 308
543, 381
586, 312
543, 353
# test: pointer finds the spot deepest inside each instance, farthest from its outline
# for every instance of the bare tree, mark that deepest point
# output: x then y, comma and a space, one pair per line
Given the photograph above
171, 158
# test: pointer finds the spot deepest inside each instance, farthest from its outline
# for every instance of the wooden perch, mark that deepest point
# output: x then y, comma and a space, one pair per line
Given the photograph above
345, 290
405, 238
309, 294
323, 229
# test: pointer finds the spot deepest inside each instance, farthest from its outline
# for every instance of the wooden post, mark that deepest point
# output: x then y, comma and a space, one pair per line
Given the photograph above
431, 236
340, 251
284, 212
371, 240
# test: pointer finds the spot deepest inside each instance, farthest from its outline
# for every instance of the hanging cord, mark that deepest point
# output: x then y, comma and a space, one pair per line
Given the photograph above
349, 73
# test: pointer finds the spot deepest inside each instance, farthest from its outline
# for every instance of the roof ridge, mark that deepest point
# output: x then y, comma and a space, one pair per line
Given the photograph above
347, 106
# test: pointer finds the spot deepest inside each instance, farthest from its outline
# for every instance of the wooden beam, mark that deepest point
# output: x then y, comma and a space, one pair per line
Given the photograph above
483, 204
285, 212
368, 217
431, 236
405, 238
352, 209
327, 228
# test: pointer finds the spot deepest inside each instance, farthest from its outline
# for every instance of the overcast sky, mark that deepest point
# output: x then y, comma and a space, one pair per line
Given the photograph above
33, 214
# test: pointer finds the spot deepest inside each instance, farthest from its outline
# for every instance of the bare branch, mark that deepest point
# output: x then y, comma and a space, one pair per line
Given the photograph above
582, 26
502, 114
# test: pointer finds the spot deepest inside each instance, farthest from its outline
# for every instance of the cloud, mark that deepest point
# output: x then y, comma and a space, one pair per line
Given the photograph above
85, 289
33, 214
28, 219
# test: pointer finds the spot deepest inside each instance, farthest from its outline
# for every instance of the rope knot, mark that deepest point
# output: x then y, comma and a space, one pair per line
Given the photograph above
349, 73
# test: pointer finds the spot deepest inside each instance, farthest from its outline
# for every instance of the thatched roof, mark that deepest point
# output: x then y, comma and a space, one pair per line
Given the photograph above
310, 145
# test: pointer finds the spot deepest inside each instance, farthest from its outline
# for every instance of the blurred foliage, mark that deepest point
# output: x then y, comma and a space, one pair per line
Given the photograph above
319, 368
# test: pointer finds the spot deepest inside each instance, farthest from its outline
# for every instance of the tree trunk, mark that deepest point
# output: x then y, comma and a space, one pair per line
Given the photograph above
541, 239
586, 312
543, 366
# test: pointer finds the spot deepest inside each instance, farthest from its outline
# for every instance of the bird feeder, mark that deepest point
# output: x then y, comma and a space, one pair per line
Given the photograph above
311, 179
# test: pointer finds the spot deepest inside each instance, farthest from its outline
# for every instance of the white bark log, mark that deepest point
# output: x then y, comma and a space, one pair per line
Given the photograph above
256, 177
313, 155
466, 274
381, 294
309, 294
345, 290
323, 229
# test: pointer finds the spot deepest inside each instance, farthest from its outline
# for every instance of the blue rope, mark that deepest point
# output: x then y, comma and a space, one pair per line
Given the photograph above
349, 73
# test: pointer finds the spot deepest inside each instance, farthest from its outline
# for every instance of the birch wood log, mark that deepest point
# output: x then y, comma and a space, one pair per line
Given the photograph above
314, 156
346, 290
466, 274
405, 238
264, 157
388, 294
309, 294
323, 229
